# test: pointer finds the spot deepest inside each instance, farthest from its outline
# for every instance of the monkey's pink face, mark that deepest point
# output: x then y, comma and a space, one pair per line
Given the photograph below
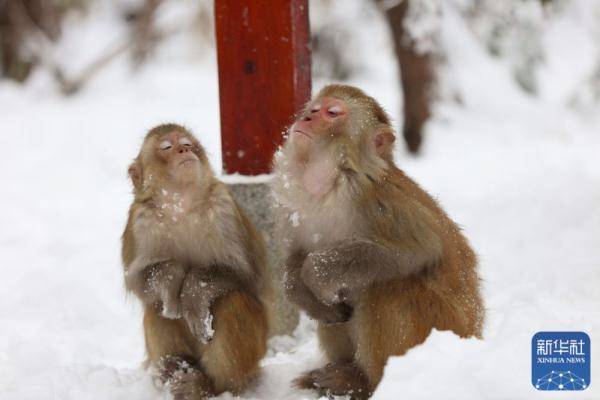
176, 149
321, 119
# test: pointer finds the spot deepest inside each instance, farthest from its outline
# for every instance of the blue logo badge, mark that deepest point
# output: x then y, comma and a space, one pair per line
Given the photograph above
560, 361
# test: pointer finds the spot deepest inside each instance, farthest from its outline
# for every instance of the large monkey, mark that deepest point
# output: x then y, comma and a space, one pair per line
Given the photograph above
371, 256
198, 266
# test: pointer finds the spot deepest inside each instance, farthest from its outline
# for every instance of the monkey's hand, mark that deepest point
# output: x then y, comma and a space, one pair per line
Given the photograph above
201, 288
340, 273
324, 273
159, 284
299, 294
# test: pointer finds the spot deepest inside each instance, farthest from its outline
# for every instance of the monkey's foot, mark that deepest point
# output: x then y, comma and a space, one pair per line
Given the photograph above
183, 376
191, 385
336, 379
168, 366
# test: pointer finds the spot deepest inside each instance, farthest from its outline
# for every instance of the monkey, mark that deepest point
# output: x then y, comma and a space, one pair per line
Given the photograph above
370, 255
199, 268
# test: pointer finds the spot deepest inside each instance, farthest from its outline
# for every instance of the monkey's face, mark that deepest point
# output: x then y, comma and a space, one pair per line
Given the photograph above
178, 152
322, 120
344, 125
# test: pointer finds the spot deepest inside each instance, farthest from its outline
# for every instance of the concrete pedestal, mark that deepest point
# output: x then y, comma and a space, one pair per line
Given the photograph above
255, 200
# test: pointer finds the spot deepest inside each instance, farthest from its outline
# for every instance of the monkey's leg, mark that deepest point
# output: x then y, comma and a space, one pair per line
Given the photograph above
172, 350
389, 319
198, 293
335, 341
342, 376
166, 337
239, 342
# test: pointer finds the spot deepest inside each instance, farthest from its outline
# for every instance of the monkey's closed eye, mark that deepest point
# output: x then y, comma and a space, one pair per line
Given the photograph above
165, 145
185, 142
334, 111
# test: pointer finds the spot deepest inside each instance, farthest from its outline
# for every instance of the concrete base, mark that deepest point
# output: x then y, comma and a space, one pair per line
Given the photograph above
254, 198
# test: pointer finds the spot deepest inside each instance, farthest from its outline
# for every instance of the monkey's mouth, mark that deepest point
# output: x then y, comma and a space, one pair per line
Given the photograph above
303, 133
187, 161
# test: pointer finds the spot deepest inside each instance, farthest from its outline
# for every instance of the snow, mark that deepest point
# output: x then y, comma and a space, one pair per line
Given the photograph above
238, 178
295, 219
521, 174
208, 327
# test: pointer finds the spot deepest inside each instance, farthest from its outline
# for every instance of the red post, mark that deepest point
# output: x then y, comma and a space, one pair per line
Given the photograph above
264, 77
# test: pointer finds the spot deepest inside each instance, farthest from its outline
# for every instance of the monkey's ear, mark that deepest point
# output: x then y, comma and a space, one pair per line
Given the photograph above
135, 173
383, 141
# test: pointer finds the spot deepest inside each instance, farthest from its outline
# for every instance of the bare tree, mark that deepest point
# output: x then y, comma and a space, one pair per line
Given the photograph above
416, 76
18, 20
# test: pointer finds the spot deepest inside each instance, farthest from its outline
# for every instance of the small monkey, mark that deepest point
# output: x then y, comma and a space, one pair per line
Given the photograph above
198, 266
371, 256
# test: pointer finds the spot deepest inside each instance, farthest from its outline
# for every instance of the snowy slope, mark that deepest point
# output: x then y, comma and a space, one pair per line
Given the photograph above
521, 174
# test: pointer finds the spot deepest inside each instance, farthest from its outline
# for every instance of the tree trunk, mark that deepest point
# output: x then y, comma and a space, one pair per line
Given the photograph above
416, 75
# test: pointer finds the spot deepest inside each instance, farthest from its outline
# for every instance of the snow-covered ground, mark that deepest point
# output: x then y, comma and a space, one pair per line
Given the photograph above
521, 174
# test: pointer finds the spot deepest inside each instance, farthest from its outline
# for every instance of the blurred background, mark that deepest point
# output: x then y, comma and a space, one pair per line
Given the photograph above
72, 48
497, 108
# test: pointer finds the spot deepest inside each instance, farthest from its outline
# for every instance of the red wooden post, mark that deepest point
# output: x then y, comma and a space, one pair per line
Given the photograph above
264, 77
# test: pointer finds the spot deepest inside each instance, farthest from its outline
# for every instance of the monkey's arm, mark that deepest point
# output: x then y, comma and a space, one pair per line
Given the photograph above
340, 273
157, 284
298, 293
201, 288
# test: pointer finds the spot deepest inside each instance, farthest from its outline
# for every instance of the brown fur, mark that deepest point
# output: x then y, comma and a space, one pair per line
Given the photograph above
384, 247
198, 266
231, 358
